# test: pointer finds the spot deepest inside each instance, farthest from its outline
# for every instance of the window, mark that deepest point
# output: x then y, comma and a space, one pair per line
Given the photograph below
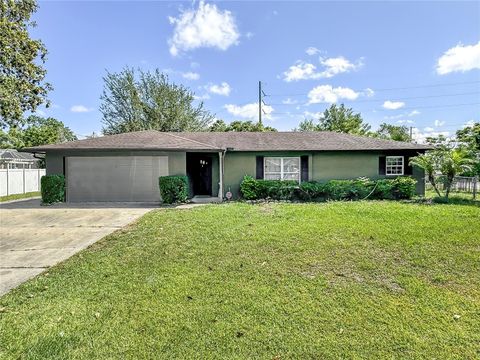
394, 165
278, 168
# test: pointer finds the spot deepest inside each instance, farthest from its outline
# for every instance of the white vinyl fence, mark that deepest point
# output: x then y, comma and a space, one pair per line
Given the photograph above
20, 181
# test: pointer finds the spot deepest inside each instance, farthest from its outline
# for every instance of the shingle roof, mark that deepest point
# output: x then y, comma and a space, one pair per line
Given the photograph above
234, 141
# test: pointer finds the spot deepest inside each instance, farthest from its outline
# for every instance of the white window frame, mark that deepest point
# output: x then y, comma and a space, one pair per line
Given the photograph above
394, 157
282, 172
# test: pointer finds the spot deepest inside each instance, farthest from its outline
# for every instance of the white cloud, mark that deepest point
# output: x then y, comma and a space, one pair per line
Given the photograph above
368, 92
249, 111
313, 115
206, 26
393, 105
429, 129
469, 123
249, 35
413, 113
201, 97
289, 101
329, 94
302, 70
338, 65
312, 51
405, 121
459, 58
80, 109
439, 123
420, 137
221, 89
191, 75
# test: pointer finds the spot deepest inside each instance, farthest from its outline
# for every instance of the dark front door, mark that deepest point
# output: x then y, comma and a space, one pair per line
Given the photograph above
200, 172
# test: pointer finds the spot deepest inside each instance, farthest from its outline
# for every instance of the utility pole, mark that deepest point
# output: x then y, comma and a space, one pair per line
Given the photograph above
411, 133
260, 102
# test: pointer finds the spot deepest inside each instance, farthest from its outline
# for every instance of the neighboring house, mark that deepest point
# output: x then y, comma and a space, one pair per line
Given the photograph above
12, 159
126, 167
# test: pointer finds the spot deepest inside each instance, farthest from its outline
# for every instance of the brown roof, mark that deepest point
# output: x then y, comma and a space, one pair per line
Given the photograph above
234, 141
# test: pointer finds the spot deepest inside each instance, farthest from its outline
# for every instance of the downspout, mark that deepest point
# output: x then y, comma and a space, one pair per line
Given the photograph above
222, 176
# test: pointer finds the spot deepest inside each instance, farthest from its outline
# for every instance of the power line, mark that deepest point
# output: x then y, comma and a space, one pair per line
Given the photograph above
405, 98
407, 108
398, 88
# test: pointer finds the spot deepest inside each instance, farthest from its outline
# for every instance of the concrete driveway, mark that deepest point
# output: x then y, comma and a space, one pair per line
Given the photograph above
35, 237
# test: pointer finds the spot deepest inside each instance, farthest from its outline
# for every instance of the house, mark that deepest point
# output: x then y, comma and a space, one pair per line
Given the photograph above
126, 167
12, 159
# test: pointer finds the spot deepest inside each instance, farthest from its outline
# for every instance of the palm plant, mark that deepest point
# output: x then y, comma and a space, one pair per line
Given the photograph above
453, 162
427, 162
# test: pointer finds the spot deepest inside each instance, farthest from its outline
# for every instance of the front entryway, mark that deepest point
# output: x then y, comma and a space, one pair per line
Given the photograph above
199, 171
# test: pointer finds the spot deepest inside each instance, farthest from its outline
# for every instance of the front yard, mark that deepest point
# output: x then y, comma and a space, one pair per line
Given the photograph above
271, 281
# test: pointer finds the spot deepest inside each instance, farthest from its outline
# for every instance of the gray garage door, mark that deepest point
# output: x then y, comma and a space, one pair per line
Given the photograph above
115, 178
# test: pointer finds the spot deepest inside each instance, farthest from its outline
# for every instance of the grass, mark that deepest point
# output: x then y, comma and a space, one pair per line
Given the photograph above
458, 198
268, 281
19, 196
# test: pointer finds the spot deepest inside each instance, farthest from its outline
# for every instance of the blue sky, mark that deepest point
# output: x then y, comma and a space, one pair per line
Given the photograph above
408, 63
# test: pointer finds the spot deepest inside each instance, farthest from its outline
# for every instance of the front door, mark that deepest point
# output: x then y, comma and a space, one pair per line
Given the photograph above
200, 171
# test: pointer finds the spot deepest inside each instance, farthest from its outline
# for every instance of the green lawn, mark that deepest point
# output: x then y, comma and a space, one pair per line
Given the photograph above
372, 280
19, 196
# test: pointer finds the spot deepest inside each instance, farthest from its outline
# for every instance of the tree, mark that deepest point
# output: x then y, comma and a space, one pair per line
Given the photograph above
469, 140
470, 136
239, 126
22, 85
449, 162
148, 101
337, 119
43, 131
428, 163
37, 131
392, 132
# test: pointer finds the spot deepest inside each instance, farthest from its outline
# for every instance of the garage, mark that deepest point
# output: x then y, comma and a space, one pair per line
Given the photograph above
114, 178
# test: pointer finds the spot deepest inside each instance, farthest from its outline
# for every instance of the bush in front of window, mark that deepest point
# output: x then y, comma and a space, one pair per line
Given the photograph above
252, 189
173, 189
52, 188
404, 187
356, 189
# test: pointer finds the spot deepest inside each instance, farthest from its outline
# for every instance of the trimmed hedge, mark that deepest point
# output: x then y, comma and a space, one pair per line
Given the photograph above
52, 188
173, 189
357, 189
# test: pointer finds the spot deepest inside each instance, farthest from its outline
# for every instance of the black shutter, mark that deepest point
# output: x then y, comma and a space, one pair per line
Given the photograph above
259, 172
407, 169
304, 168
381, 165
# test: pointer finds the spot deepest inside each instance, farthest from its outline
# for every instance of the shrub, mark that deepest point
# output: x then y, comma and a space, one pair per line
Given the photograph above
173, 189
357, 189
252, 189
404, 187
52, 188
311, 191
249, 188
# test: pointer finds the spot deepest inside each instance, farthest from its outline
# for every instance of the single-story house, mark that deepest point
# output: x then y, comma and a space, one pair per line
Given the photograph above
12, 159
126, 167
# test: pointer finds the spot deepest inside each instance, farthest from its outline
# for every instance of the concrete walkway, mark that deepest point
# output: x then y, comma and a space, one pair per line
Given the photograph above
34, 237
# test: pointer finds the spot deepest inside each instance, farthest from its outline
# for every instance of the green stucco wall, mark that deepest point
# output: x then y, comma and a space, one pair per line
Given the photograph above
323, 166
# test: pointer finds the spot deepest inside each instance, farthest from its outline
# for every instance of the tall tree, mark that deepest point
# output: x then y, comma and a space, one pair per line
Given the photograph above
37, 131
469, 140
22, 75
337, 119
134, 101
240, 126
392, 132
